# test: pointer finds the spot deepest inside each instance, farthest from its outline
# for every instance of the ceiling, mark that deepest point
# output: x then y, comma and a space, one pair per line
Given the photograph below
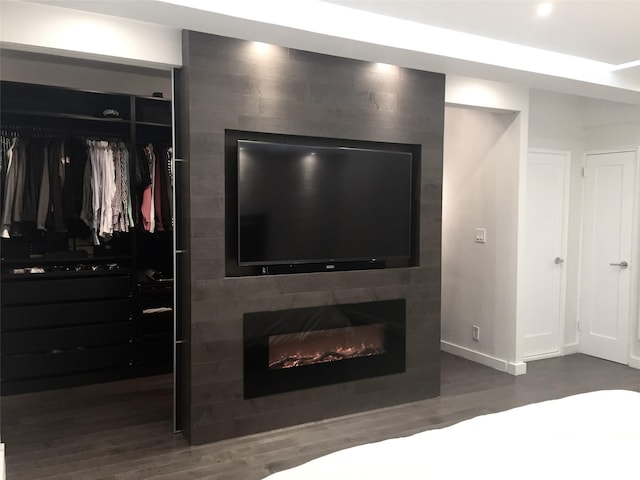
584, 47
603, 30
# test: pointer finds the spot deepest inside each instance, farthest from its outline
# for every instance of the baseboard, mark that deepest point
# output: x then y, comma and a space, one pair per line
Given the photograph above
543, 356
519, 368
566, 350
2, 464
484, 359
571, 349
634, 362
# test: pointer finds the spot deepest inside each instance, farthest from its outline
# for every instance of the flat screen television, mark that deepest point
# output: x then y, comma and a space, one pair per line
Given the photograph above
319, 207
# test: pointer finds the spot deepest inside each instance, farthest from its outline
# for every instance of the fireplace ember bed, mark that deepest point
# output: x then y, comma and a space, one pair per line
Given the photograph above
308, 347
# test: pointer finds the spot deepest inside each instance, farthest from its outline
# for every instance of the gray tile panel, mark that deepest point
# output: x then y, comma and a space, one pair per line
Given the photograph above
230, 85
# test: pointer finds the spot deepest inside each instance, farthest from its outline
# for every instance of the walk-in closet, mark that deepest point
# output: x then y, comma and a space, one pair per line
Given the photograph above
87, 182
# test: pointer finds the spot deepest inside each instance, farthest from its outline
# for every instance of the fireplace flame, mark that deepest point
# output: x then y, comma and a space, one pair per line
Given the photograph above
327, 345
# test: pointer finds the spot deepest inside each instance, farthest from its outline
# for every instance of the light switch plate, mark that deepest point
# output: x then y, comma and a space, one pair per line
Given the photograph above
481, 235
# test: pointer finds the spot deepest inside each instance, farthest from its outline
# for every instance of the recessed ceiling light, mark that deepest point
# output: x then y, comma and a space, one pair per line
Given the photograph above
544, 9
383, 67
261, 47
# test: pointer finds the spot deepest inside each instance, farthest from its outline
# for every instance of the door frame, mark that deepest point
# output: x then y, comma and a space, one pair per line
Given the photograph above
634, 295
564, 245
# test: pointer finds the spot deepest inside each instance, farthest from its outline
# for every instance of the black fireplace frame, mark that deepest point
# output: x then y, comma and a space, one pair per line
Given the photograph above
260, 380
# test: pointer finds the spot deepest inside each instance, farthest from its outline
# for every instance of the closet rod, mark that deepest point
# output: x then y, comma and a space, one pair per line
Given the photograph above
80, 134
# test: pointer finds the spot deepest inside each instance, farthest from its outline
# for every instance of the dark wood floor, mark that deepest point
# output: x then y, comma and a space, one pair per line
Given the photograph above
122, 430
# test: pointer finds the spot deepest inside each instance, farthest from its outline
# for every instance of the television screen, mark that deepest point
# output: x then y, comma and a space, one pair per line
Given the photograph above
302, 204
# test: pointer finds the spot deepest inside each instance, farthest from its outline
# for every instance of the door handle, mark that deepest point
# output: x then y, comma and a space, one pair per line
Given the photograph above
558, 260
623, 264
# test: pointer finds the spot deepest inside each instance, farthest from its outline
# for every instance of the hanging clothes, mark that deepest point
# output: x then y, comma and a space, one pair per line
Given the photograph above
20, 159
86, 211
36, 158
82, 187
147, 207
65, 185
156, 186
72, 189
127, 184
55, 218
9, 187
166, 188
43, 199
108, 189
106, 211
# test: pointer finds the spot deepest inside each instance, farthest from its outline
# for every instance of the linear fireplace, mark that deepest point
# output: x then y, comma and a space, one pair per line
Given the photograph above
306, 347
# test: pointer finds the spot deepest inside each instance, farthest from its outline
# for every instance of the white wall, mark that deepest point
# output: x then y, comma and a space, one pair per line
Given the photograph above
49, 29
610, 125
579, 125
83, 74
472, 274
483, 188
480, 189
475, 92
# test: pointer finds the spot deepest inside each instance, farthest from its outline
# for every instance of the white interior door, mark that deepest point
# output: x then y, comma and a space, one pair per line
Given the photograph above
605, 292
545, 249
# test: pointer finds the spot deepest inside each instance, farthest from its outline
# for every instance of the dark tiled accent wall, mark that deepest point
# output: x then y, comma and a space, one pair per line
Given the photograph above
232, 84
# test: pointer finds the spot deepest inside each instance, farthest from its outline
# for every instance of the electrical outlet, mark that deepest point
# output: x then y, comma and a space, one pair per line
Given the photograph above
475, 333
481, 235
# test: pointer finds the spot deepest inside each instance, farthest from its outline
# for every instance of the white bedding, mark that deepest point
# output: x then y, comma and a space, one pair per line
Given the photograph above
587, 436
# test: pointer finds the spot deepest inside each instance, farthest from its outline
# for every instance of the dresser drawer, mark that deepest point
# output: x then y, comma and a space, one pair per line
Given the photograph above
24, 317
31, 291
54, 340
16, 367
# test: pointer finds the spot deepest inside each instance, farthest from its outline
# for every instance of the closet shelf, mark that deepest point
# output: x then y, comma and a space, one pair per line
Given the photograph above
49, 275
63, 260
154, 124
71, 116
